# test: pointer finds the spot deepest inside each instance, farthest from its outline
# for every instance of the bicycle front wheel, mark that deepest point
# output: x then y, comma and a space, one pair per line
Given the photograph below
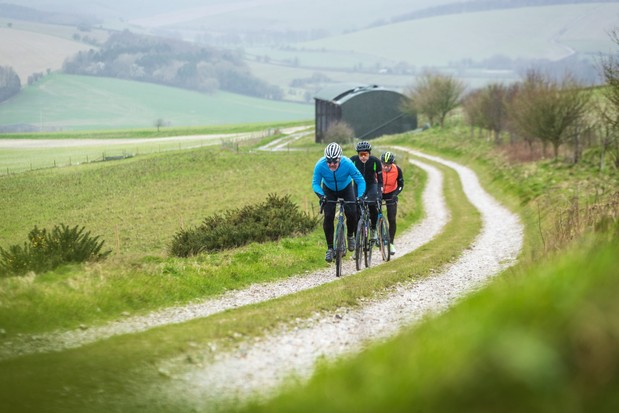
369, 244
340, 247
359, 242
383, 238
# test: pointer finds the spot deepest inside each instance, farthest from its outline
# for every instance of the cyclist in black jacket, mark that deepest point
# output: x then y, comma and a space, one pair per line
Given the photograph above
372, 170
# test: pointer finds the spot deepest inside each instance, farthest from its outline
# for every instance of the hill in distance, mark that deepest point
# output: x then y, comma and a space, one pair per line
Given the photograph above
303, 46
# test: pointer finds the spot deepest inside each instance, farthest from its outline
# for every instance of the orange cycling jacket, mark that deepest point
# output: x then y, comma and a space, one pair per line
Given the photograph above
393, 181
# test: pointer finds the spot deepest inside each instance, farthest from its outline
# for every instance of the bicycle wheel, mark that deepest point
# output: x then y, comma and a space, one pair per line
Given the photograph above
340, 247
369, 244
383, 238
359, 242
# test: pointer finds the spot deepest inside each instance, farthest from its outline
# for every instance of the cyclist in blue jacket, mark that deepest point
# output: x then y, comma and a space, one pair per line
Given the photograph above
333, 177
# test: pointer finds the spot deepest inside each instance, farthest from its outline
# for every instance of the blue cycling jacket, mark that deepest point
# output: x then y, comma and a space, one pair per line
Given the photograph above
338, 180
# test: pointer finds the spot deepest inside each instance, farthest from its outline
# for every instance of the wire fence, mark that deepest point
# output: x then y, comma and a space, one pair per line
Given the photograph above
16, 161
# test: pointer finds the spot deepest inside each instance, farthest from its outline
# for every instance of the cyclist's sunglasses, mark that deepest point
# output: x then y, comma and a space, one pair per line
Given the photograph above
332, 161
364, 154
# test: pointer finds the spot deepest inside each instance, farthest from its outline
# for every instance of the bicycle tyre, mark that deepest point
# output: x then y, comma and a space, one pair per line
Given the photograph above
369, 243
359, 240
340, 247
383, 238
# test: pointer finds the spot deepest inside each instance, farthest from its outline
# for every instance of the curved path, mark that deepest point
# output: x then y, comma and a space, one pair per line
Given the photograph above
61, 340
261, 367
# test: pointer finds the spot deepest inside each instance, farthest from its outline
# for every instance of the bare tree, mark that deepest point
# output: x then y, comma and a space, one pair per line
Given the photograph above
10, 83
610, 70
486, 108
434, 95
549, 110
608, 109
159, 123
473, 112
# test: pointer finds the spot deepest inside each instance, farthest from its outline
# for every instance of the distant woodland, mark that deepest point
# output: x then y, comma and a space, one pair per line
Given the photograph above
170, 62
206, 69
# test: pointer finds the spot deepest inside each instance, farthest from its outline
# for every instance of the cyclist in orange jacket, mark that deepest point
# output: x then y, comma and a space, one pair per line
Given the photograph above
393, 183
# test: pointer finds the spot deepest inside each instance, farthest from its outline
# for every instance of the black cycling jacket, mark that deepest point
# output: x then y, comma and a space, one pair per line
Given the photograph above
372, 169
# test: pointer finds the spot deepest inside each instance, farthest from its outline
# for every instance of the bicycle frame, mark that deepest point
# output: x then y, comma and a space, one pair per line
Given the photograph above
382, 227
339, 235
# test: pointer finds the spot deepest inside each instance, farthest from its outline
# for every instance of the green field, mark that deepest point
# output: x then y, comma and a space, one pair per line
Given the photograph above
68, 102
527, 337
543, 336
31, 151
181, 186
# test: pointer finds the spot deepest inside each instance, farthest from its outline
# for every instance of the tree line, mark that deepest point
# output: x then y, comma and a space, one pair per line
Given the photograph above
170, 62
540, 109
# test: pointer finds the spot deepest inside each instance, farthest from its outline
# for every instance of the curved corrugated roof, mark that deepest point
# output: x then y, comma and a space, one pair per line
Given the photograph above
341, 90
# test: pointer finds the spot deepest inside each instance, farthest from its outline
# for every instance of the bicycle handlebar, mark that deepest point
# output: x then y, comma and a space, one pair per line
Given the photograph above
337, 201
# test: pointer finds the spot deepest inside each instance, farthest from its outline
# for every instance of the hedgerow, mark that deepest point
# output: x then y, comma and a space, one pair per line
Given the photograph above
271, 220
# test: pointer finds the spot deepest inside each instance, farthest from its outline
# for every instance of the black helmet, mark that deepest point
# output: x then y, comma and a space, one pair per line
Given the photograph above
387, 157
364, 146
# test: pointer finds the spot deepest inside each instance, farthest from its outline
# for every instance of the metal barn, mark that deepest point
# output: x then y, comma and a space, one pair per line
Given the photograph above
370, 110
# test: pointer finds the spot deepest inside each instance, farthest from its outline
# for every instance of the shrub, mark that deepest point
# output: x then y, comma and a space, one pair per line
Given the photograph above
45, 250
275, 218
340, 132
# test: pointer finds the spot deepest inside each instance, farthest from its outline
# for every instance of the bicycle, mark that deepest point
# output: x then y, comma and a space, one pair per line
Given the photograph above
363, 247
339, 235
382, 227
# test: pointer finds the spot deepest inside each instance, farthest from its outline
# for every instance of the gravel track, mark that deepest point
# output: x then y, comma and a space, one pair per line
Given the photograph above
62, 340
261, 367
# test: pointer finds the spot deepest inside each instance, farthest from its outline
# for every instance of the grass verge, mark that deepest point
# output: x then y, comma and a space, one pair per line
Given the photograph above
101, 376
136, 206
543, 342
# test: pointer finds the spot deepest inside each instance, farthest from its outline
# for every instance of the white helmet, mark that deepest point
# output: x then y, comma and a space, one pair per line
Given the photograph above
333, 151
